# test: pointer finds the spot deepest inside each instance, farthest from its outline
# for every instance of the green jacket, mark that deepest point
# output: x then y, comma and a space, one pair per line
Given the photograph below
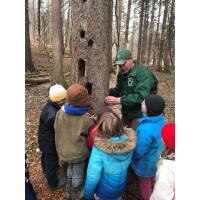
132, 92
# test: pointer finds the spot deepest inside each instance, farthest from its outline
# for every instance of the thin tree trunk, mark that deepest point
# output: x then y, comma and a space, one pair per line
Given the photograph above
58, 76
163, 36
172, 33
118, 13
67, 25
144, 39
28, 57
151, 33
127, 23
39, 22
140, 31
156, 43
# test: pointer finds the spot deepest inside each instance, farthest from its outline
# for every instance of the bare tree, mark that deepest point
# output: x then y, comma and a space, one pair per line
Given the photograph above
39, 27
127, 23
156, 43
118, 14
140, 31
160, 57
58, 76
92, 45
151, 32
28, 57
144, 34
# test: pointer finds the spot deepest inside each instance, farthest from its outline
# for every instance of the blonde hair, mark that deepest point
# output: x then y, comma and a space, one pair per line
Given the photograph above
110, 125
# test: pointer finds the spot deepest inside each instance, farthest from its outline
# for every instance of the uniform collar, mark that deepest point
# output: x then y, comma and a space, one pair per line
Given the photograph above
134, 70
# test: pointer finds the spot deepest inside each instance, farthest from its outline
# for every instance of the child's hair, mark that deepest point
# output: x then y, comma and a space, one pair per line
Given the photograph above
110, 125
102, 110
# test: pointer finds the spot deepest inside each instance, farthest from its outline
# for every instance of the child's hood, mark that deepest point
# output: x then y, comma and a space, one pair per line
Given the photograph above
118, 145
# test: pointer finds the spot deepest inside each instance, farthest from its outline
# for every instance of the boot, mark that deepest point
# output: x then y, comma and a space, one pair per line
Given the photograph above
69, 189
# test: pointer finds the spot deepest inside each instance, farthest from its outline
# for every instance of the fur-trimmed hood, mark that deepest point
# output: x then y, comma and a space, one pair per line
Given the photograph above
117, 145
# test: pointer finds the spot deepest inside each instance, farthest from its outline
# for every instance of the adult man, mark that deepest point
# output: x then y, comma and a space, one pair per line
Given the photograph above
46, 137
133, 84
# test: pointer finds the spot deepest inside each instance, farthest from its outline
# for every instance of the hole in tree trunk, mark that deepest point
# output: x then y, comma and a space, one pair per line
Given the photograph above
90, 43
84, 1
81, 67
82, 33
89, 87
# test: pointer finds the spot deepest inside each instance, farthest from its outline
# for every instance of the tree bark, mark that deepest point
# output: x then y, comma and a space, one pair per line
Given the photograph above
157, 43
58, 76
92, 46
140, 31
118, 13
145, 25
127, 23
163, 34
151, 32
39, 26
28, 57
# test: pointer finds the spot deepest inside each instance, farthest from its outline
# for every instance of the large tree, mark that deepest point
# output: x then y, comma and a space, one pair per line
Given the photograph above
91, 46
58, 76
28, 57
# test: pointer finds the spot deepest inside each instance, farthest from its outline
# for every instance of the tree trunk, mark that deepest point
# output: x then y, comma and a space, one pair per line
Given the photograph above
144, 39
171, 34
156, 43
160, 58
118, 13
67, 25
28, 57
127, 23
151, 33
58, 76
39, 26
140, 31
92, 47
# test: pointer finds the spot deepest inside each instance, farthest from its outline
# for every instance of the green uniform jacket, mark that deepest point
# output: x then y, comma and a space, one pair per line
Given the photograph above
132, 92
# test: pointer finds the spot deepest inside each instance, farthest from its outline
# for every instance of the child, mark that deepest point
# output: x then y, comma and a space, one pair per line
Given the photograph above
164, 188
149, 144
94, 128
109, 160
71, 127
46, 136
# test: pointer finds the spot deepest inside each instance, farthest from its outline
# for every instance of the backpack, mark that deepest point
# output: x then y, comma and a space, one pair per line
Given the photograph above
154, 88
92, 132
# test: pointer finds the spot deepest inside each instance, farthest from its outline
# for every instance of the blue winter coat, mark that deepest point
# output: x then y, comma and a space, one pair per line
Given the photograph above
149, 145
108, 164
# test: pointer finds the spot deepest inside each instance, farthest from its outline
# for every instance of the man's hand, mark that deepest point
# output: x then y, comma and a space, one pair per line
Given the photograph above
112, 100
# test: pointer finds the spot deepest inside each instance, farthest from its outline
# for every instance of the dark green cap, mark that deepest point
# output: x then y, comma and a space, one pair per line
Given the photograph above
122, 56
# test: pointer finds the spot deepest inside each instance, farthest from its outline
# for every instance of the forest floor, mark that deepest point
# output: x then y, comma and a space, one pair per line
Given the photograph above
36, 97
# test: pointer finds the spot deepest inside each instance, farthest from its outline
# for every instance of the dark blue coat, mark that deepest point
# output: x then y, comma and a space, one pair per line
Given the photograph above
46, 133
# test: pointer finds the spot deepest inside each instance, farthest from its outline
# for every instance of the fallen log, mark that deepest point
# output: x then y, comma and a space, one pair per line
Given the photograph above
37, 80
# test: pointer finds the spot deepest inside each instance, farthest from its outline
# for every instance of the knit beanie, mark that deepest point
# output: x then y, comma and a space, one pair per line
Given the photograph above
168, 135
77, 95
155, 105
57, 93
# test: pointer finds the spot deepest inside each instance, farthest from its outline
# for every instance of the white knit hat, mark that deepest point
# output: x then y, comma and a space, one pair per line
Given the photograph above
57, 93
